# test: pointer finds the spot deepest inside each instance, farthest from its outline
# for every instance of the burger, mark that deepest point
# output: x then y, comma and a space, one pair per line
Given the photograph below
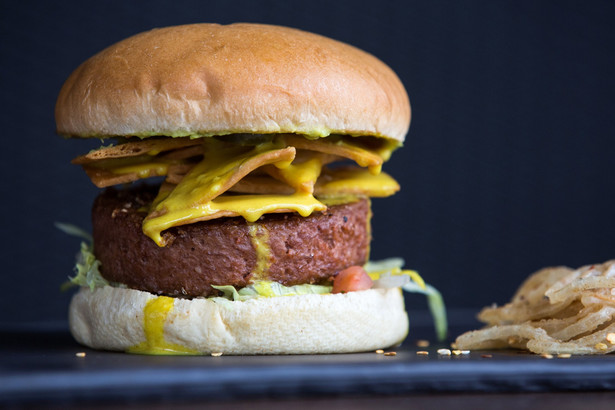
238, 163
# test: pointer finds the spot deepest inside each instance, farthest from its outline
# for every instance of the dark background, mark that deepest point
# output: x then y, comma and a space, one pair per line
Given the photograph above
507, 167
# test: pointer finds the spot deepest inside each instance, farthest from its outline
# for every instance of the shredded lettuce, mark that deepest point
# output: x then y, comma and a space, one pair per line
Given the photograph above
389, 273
86, 269
73, 230
268, 289
436, 307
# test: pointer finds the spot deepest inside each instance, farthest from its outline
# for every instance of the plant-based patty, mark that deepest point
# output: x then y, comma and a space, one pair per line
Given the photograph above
285, 248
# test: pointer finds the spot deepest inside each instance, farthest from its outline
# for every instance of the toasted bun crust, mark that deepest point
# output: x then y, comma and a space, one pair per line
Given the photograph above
113, 319
208, 79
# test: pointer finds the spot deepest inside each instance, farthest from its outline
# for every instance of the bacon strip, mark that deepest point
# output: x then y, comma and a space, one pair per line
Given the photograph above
337, 146
149, 146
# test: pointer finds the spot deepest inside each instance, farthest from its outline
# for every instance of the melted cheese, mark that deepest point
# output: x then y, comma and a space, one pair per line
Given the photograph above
194, 198
202, 193
356, 181
301, 176
250, 207
155, 315
217, 172
260, 241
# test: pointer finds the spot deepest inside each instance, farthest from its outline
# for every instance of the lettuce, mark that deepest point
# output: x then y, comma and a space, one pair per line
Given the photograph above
389, 273
385, 274
86, 269
268, 289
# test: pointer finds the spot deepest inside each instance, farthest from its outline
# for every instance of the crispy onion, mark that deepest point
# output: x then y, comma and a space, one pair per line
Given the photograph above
555, 311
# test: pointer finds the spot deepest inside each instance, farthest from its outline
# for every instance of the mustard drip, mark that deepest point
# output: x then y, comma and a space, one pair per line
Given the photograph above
301, 176
250, 207
375, 169
260, 241
155, 314
387, 148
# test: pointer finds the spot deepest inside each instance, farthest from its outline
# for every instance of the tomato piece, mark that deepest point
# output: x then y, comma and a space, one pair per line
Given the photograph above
352, 279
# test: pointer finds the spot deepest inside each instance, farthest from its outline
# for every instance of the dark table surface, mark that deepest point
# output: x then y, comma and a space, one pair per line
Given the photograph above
39, 365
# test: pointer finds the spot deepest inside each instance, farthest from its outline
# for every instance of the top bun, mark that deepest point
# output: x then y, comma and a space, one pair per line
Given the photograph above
208, 79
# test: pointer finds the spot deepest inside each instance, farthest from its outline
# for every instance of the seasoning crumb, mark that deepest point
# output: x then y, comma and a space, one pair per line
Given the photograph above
422, 352
456, 352
379, 351
80, 354
546, 356
422, 343
601, 346
444, 352
487, 356
216, 354
611, 338
564, 355
390, 354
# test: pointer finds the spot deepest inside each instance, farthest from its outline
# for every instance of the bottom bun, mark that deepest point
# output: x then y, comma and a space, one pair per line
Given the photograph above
140, 322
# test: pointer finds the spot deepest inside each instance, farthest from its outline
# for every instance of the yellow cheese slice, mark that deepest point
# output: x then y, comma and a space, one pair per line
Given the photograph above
355, 181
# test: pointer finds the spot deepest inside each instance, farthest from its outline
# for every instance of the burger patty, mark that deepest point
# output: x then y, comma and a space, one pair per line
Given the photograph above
285, 248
